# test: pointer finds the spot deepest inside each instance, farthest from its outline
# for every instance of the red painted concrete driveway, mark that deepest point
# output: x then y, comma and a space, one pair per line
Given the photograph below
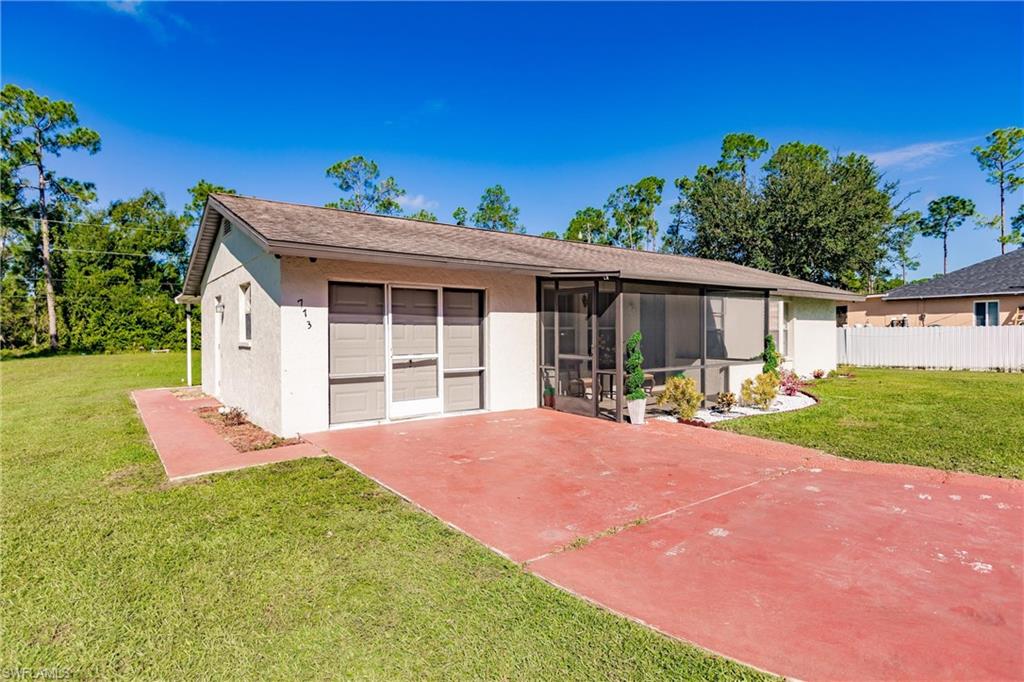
785, 558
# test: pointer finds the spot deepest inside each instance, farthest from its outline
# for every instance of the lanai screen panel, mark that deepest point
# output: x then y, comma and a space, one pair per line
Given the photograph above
356, 352
668, 317
463, 350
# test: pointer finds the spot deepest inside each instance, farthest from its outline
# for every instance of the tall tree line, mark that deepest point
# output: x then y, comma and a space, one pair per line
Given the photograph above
77, 276
73, 275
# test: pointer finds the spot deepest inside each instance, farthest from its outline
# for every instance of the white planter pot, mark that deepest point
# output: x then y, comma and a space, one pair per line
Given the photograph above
637, 409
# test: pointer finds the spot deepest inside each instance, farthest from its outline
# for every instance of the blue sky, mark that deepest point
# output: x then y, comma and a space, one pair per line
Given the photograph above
560, 103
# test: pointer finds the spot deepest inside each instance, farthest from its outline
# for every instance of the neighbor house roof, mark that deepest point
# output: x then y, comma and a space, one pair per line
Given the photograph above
1000, 275
300, 230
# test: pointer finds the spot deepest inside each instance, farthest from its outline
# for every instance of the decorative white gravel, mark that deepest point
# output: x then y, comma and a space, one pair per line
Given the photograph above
783, 403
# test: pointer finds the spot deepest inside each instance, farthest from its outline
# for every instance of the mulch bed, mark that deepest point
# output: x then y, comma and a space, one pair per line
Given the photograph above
244, 436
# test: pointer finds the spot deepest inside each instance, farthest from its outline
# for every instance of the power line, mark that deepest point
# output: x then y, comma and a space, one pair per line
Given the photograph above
26, 280
108, 225
110, 253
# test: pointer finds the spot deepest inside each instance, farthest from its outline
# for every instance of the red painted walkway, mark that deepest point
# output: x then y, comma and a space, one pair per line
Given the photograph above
785, 558
189, 447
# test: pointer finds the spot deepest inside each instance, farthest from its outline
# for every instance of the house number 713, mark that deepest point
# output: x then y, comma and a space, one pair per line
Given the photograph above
309, 325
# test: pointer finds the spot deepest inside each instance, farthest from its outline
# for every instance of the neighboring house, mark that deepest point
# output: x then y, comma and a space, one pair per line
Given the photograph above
317, 318
989, 293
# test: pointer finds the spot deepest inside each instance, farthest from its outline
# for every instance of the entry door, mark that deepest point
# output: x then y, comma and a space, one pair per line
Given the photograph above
415, 349
575, 348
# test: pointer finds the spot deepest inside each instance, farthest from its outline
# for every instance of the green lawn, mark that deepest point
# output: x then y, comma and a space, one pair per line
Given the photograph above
960, 421
301, 570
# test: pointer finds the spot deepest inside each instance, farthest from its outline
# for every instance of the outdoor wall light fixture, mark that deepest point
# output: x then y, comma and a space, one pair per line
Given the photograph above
219, 308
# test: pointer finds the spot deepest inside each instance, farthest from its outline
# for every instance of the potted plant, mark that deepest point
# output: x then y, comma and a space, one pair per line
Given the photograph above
549, 396
636, 398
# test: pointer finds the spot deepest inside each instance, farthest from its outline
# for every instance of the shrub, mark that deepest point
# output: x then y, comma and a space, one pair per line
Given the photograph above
234, 417
726, 401
634, 368
770, 356
819, 374
682, 392
789, 382
760, 391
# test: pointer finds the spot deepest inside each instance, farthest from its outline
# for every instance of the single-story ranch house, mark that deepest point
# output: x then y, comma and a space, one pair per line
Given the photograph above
318, 318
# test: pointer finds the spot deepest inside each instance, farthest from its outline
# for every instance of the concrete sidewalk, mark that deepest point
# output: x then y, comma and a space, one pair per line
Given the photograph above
190, 447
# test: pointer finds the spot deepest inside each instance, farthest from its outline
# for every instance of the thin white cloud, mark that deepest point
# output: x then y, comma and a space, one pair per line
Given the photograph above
130, 7
914, 156
416, 202
153, 15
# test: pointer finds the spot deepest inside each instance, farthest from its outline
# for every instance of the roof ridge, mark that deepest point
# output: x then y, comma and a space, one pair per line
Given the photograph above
568, 242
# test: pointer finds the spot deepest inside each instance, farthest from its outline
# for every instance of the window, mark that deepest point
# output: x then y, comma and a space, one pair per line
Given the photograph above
986, 313
842, 314
245, 314
778, 325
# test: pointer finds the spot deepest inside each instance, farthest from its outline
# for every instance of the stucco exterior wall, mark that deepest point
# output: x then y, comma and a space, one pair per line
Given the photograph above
945, 312
812, 335
250, 376
510, 332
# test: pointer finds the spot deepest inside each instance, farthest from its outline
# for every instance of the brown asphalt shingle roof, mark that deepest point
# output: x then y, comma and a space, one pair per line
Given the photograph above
281, 225
1000, 275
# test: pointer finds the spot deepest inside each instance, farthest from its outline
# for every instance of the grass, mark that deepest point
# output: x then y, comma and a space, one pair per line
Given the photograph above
958, 421
300, 570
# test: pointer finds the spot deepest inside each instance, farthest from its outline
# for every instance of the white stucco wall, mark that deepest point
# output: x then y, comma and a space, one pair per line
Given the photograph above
812, 334
510, 332
250, 376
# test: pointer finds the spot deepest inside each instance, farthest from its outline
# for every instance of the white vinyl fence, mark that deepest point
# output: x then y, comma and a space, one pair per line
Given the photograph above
997, 348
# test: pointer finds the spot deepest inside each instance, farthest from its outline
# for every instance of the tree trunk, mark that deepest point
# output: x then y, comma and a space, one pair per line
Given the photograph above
44, 233
945, 254
1002, 216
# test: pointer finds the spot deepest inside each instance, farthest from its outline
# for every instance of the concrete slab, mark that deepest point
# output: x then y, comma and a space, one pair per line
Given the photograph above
824, 576
785, 558
530, 482
189, 447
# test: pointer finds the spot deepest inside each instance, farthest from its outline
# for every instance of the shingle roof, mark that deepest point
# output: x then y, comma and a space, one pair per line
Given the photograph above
283, 227
1000, 275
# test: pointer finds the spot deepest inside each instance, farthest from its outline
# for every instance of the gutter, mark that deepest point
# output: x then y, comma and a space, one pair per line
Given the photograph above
1018, 292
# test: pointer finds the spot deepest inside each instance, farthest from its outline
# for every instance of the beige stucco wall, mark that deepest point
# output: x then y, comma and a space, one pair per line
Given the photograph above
945, 312
510, 332
812, 335
250, 376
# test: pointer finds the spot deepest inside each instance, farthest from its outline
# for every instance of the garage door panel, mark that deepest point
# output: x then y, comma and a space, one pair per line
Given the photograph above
413, 321
356, 346
463, 329
414, 380
463, 391
354, 400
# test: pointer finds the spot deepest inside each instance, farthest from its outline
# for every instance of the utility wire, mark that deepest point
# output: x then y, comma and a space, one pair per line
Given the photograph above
107, 225
110, 253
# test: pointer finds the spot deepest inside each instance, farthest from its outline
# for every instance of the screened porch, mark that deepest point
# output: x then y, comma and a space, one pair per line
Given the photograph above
713, 335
